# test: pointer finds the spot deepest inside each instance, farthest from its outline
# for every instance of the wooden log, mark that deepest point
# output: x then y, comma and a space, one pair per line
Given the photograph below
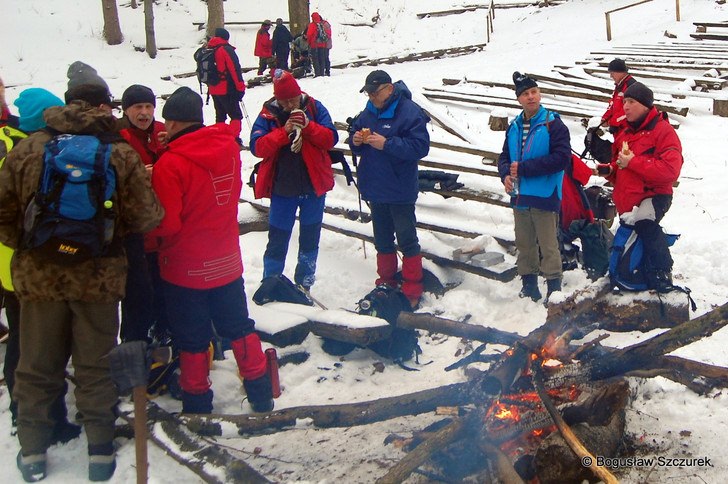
432, 54
200, 455
700, 81
357, 336
720, 107
498, 123
585, 456
723, 37
436, 324
444, 125
506, 472
332, 416
443, 13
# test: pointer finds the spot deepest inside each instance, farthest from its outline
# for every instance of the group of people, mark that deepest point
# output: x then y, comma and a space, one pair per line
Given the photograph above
646, 161
314, 43
175, 261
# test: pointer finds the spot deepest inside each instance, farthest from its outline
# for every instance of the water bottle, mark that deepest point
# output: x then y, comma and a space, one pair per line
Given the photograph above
515, 180
272, 360
109, 217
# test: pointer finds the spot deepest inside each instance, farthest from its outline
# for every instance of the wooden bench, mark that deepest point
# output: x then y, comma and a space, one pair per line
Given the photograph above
702, 27
709, 36
201, 25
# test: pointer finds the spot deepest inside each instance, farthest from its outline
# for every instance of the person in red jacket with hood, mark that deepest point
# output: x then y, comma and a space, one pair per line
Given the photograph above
293, 134
614, 116
227, 94
319, 46
198, 183
263, 46
647, 159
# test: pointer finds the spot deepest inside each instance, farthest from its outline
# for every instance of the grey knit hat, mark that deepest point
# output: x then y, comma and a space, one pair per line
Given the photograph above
640, 93
80, 74
183, 105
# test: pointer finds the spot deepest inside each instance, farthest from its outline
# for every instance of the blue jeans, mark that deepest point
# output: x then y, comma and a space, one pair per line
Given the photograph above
389, 219
281, 219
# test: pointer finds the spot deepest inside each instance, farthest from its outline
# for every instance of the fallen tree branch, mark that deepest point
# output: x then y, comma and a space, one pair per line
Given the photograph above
428, 322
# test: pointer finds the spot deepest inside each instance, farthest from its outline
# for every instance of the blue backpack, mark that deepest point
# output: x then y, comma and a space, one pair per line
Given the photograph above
625, 259
71, 216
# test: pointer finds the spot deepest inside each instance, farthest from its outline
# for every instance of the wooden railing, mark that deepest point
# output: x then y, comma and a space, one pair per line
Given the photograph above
490, 15
609, 12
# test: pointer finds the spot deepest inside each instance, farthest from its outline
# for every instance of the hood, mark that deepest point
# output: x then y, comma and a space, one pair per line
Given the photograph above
316, 17
217, 42
79, 117
387, 111
210, 147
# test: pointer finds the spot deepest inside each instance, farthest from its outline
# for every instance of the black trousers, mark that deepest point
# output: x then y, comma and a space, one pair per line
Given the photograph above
227, 105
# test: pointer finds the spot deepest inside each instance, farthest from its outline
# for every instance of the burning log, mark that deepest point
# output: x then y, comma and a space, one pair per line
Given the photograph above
435, 324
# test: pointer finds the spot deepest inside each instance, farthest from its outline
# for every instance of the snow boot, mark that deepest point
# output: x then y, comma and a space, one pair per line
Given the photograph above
260, 393
252, 366
530, 287
32, 467
552, 285
386, 269
195, 382
101, 462
412, 279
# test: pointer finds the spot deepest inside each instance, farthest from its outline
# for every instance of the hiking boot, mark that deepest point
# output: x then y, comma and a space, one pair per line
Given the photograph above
64, 432
660, 281
32, 467
260, 393
101, 467
552, 285
530, 287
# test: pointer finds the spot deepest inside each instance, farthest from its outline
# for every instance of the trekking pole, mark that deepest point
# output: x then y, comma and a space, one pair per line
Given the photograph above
245, 113
358, 194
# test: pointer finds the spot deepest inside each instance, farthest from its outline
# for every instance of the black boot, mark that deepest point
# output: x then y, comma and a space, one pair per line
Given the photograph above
260, 393
552, 285
530, 287
660, 281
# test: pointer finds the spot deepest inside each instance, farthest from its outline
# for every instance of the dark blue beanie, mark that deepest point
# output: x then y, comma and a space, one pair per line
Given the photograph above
31, 103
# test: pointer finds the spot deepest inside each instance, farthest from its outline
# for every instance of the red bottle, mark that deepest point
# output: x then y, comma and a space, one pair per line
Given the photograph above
272, 359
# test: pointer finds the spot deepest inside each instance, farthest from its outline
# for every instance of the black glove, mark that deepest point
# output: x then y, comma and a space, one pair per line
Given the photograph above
240, 95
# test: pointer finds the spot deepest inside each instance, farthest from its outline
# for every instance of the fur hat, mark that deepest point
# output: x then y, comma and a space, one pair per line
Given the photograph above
183, 105
285, 85
31, 103
523, 82
640, 93
222, 33
136, 94
617, 65
85, 84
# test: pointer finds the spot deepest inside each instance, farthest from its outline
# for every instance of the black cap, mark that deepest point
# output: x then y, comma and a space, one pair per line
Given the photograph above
523, 82
617, 65
374, 80
136, 94
183, 105
222, 33
640, 93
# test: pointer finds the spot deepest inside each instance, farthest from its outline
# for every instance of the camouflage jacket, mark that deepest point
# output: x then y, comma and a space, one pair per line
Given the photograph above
137, 208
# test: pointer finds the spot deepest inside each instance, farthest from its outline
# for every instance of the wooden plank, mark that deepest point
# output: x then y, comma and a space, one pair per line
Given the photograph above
443, 13
710, 36
635, 53
711, 24
709, 82
433, 54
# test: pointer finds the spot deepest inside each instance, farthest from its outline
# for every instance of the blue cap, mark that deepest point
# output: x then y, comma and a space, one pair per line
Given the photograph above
31, 103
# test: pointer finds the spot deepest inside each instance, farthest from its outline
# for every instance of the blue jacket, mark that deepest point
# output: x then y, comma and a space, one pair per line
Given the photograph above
542, 160
390, 175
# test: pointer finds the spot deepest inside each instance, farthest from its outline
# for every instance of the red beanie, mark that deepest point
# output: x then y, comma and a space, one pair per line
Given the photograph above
285, 85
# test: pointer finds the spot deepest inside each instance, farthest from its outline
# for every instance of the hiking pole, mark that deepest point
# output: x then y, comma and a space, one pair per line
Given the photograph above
245, 113
129, 370
358, 194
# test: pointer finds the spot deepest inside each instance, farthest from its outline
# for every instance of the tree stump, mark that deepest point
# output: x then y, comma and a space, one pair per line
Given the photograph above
498, 123
720, 107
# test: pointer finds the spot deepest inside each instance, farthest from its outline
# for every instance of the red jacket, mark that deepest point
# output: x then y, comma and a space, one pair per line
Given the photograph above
225, 67
268, 136
312, 32
198, 183
146, 143
614, 116
263, 44
656, 164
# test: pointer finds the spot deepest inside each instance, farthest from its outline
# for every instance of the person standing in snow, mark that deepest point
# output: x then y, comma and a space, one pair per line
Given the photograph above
535, 153
282, 39
293, 134
318, 34
263, 47
614, 116
198, 183
72, 306
390, 136
647, 159
227, 94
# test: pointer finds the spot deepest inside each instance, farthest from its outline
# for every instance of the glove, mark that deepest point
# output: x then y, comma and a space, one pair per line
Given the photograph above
297, 140
240, 95
298, 118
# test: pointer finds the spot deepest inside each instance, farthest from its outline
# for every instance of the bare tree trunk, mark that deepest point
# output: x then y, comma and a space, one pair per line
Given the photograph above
149, 28
112, 28
298, 16
215, 16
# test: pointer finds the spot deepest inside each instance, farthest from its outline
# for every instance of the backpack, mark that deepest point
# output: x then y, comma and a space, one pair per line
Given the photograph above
70, 218
280, 288
599, 148
9, 137
596, 240
321, 35
206, 71
626, 269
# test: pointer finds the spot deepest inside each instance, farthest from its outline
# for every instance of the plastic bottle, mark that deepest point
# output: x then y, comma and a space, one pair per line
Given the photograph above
109, 217
275, 383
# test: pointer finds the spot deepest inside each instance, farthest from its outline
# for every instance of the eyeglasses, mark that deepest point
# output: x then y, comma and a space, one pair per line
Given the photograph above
375, 93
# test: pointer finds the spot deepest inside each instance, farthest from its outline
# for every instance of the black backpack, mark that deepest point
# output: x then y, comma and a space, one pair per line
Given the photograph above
206, 71
280, 288
321, 35
599, 149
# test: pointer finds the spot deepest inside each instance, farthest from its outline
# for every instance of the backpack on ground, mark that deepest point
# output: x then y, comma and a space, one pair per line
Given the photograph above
626, 268
281, 289
596, 240
321, 35
599, 148
70, 218
206, 71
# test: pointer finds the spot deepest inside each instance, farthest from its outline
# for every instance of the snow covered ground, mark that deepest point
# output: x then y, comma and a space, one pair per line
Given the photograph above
42, 37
